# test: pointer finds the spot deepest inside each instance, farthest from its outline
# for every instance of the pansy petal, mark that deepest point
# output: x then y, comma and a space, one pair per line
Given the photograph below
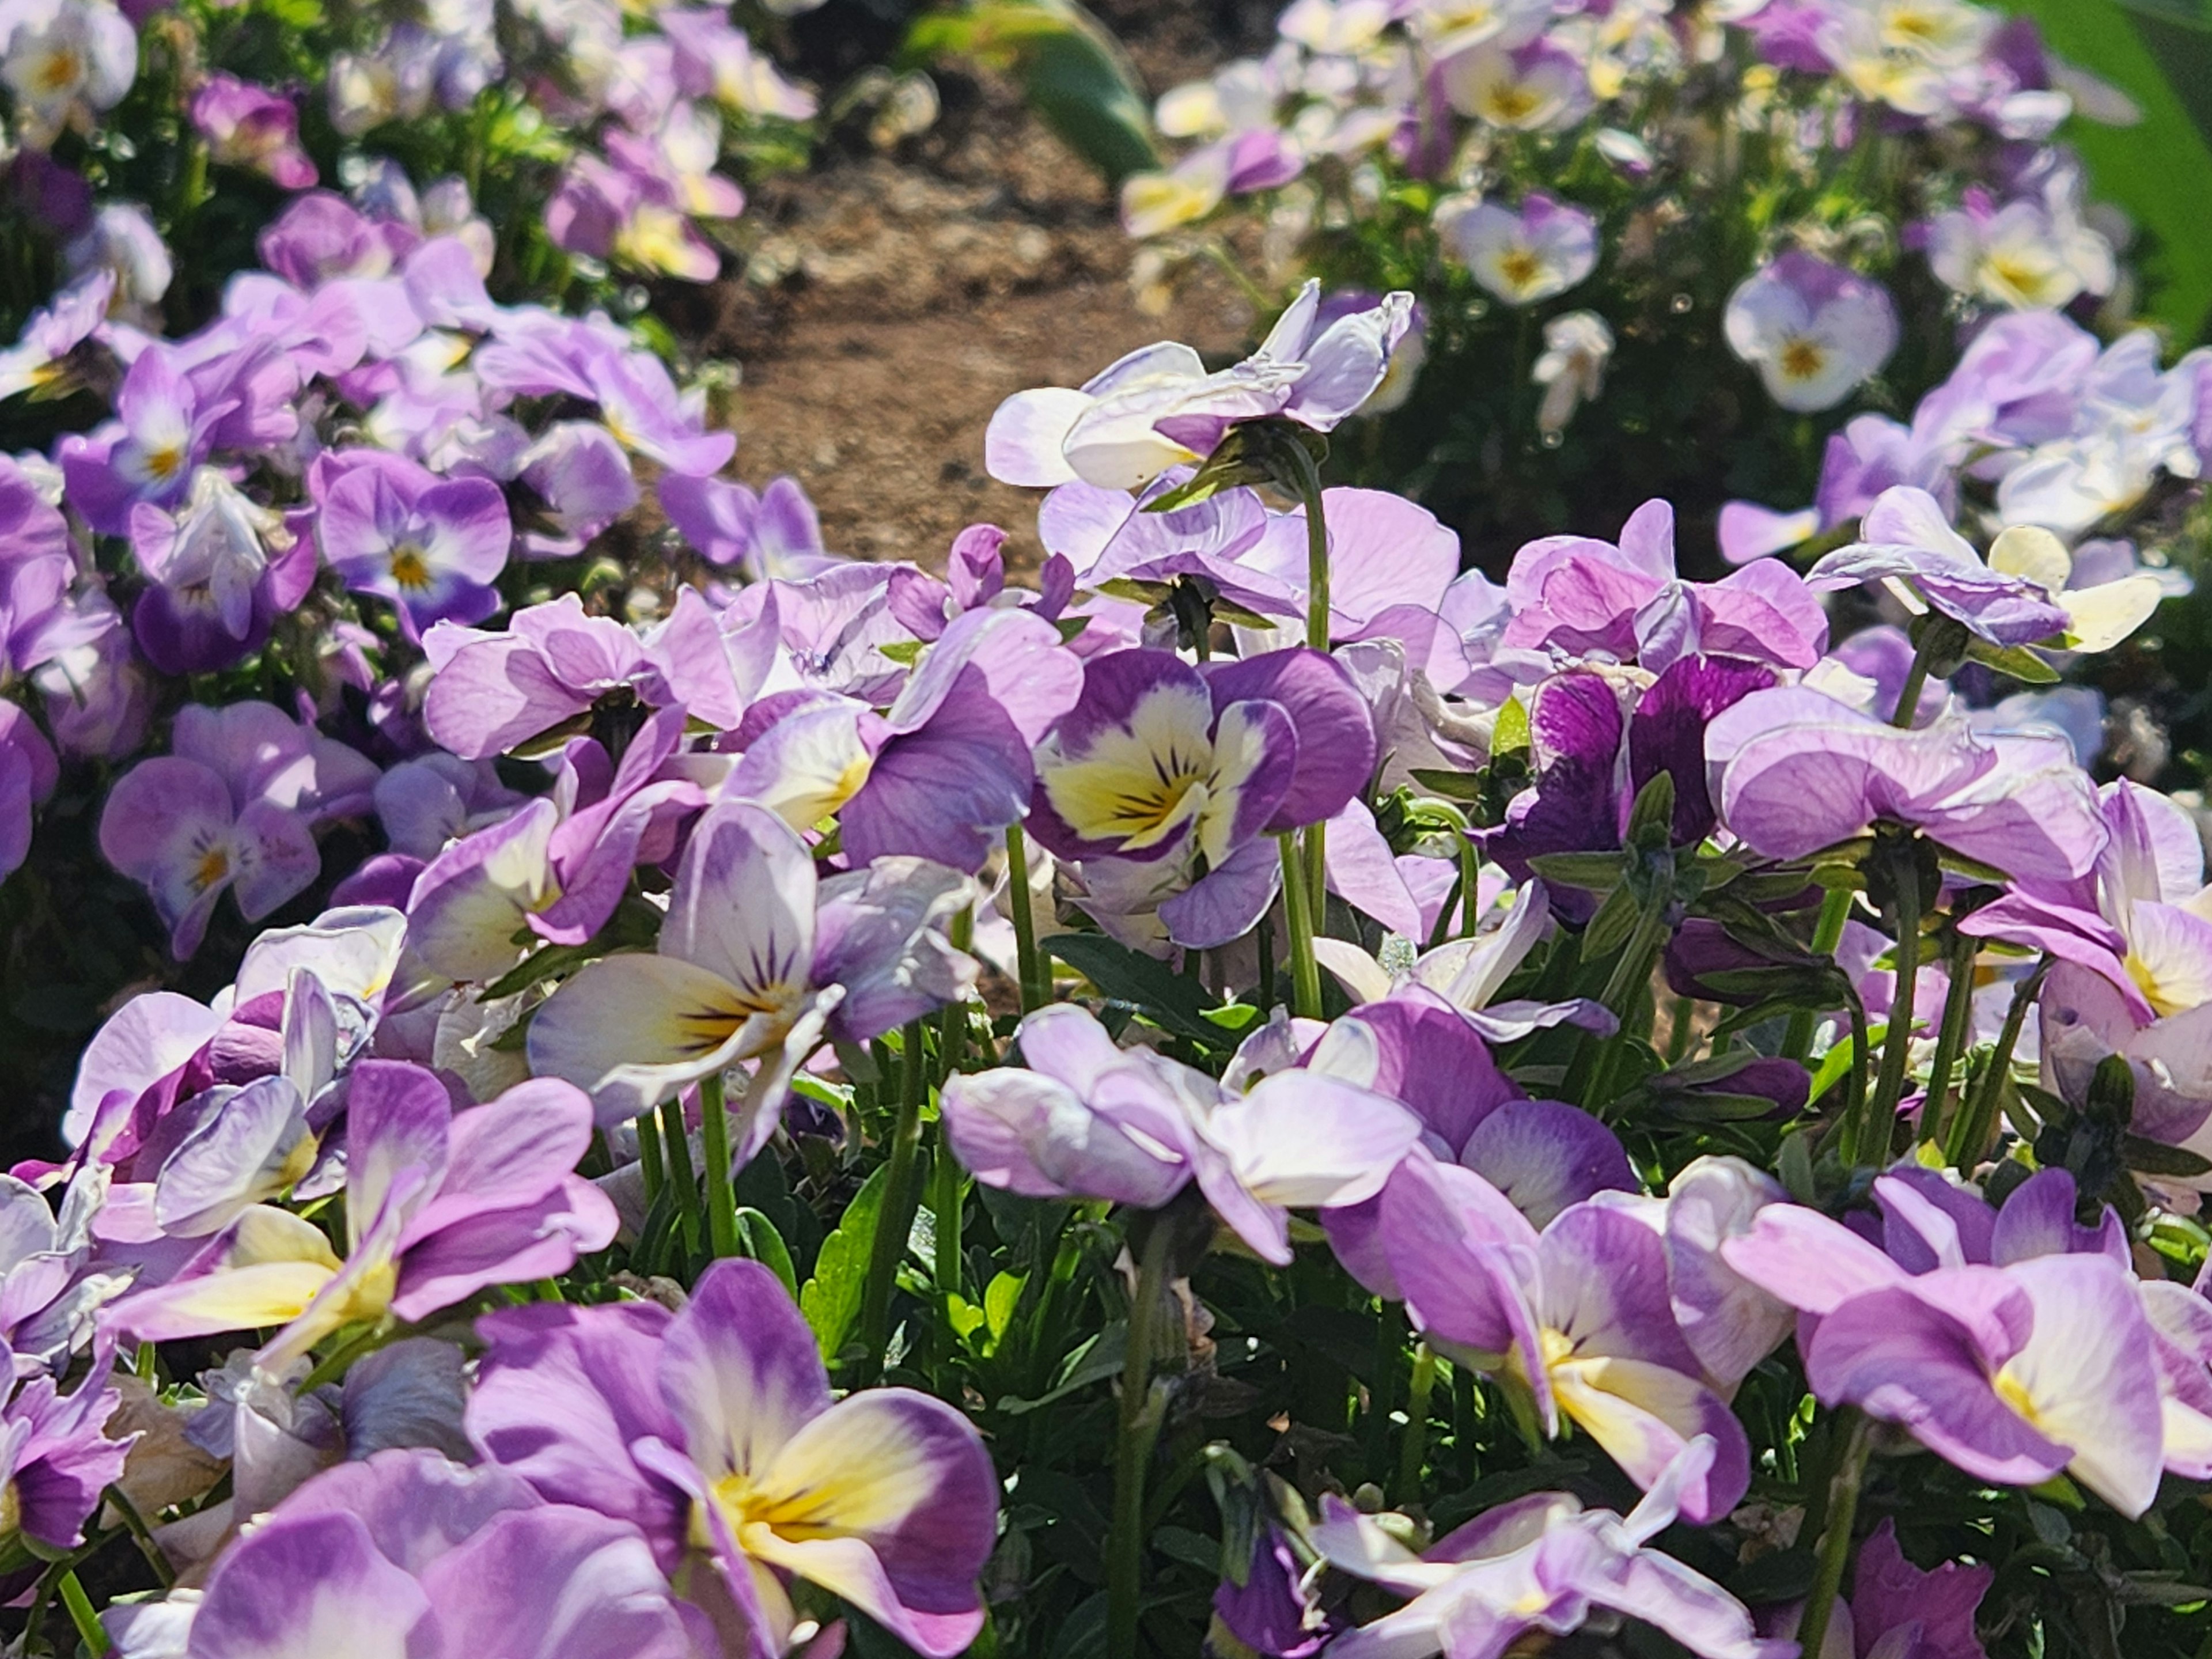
740, 1371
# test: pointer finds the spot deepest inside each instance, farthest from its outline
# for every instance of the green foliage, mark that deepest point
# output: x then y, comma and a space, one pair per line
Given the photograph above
1074, 73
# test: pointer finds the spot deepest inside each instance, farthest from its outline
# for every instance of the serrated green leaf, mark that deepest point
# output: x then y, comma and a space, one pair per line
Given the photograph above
758, 1238
1511, 731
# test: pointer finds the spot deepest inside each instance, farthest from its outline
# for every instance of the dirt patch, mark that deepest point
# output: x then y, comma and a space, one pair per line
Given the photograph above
890, 302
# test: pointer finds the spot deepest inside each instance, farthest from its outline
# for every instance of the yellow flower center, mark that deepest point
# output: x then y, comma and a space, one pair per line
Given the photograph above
214, 865
1802, 359
409, 568
163, 464
2014, 1393
1520, 267
1511, 103
62, 70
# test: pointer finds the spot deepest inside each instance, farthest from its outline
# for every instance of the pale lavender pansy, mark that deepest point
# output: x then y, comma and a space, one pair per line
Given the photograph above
2013, 1372
431, 546
1815, 332
1541, 1565
1158, 407
1796, 771
1578, 1320
713, 1431
439, 1205
1088, 1119
1526, 255
747, 969
411, 1556
1576, 594
492, 691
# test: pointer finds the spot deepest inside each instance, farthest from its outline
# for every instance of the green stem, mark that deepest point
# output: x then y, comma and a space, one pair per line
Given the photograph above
677, 1141
1836, 1542
1414, 1450
88, 1627
1139, 1427
952, 1023
1305, 479
1827, 933
721, 1193
1470, 870
1026, 948
1306, 971
895, 1221
334, 1366
1908, 698
140, 1534
950, 1183
1896, 1042
1316, 851
1972, 1131
648, 1159
1951, 1036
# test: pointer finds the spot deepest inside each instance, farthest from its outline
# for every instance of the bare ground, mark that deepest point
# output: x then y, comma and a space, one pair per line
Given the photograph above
892, 300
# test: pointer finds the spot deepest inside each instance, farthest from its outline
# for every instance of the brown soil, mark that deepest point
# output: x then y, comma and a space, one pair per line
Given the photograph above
891, 302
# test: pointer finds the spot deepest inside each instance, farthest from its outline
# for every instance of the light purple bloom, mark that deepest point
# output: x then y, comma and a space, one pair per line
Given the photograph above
747, 970
1579, 1320
1541, 250
149, 452
492, 692
1579, 595
223, 569
56, 1460
1542, 1564
773, 535
1158, 408
431, 546
410, 1554
1090, 1120
1815, 332
1162, 764
1794, 771
1906, 539
2012, 1373
439, 1205
231, 808
250, 126
713, 1430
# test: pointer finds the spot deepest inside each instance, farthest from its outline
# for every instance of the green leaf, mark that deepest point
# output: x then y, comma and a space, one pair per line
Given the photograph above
757, 1237
1075, 72
831, 1299
1449, 786
2153, 52
2016, 660
1000, 1298
1162, 995
1511, 731
1594, 872
2155, 1157
1098, 1358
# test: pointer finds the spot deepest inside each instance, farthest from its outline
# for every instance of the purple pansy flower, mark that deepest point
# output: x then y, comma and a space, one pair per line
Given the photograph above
163, 429
439, 1205
431, 546
250, 126
713, 1430
1090, 1120
748, 967
1572, 593
1158, 408
1794, 771
231, 808
410, 1554
1162, 764
1541, 1565
1577, 1320
1815, 332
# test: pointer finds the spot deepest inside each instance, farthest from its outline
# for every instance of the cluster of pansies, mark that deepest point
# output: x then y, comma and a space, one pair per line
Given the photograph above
1263, 1093
1611, 201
